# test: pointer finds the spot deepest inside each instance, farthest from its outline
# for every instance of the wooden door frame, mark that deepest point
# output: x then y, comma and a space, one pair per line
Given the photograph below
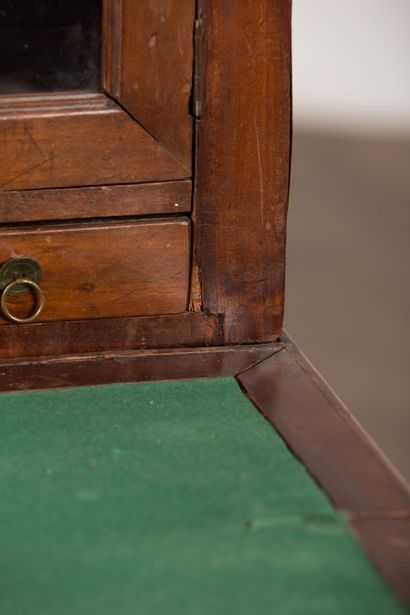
138, 129
148, 69
241, 170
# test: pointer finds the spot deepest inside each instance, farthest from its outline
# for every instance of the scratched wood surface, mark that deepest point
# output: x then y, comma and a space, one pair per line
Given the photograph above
74, 337
243, 150
102, 270
322, 432
96, 201
60, 141
149, 67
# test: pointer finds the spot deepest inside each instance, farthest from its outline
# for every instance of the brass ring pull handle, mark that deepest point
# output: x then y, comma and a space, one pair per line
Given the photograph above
38, 293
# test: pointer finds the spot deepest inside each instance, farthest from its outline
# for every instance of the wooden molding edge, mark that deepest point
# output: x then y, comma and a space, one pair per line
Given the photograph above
81, 140
341, 457
111, 201
158, 100
130, 366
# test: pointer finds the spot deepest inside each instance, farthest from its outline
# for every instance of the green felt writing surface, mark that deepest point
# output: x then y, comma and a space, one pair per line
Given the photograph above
167, 498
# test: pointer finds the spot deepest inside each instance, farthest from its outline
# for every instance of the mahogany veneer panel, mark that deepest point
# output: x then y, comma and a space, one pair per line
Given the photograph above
101, 270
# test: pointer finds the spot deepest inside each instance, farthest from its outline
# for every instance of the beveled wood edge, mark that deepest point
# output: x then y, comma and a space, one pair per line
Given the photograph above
16, 229
60, 103
384, 534
387, 542
130, 366
257, 380
111, 46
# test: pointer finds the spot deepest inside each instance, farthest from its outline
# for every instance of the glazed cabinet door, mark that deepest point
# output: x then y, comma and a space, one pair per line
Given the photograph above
126, 121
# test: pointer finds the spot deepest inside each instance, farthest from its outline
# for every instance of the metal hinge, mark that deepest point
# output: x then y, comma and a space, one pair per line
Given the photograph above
197, 93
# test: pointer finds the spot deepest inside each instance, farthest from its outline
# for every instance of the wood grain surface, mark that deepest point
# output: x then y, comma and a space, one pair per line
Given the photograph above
324, 435
131, 366
97, 201
148, 67
104, 269
242, 154
242, 165
66, 140
103, 335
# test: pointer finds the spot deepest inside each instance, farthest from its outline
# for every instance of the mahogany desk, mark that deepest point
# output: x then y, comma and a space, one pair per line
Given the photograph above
143, 228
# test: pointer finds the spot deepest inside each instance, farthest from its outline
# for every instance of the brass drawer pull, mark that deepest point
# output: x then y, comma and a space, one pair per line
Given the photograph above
20, 276
40, 300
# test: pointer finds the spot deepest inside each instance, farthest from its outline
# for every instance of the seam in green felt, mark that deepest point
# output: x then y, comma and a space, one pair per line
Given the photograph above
173, 497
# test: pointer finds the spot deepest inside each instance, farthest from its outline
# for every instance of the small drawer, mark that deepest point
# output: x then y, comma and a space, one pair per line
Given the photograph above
102, 270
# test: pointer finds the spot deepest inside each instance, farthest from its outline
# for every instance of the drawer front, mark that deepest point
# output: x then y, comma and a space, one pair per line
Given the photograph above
101, 270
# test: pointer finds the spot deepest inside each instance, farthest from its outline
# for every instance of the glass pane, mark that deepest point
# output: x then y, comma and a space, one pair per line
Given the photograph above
49, 45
